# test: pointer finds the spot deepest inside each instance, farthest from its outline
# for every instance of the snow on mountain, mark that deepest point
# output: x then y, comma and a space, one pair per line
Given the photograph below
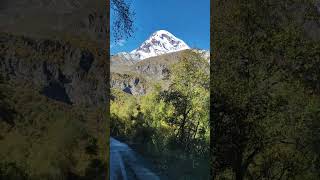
160, 42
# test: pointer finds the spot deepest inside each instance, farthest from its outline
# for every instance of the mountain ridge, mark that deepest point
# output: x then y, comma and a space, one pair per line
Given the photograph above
159, 43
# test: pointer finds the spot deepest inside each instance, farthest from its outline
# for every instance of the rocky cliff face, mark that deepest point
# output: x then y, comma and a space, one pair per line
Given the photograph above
153, 69
130, 84
56, 69
156, 68
157, 71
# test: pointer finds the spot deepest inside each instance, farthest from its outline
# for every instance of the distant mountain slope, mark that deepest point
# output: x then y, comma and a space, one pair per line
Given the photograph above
127, 76
132, 78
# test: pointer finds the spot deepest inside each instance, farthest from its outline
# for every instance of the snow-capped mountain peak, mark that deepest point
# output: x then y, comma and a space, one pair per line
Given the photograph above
160, 42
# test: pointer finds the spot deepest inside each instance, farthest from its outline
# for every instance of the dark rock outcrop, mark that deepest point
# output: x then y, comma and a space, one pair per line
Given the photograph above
57, 69
158, 71
130, 84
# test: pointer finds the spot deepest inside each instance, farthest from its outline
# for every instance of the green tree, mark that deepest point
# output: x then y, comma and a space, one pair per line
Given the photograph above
262, 99
189, 95
123, 110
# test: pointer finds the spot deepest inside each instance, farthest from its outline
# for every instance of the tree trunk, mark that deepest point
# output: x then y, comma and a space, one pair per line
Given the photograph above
182, 129
239, 174
196, 130
239, 168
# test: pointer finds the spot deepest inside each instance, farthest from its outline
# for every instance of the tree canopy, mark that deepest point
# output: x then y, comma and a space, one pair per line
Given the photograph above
264, 92
122, 26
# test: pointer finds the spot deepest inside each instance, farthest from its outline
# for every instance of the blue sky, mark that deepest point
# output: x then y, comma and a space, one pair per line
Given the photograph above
188, 20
